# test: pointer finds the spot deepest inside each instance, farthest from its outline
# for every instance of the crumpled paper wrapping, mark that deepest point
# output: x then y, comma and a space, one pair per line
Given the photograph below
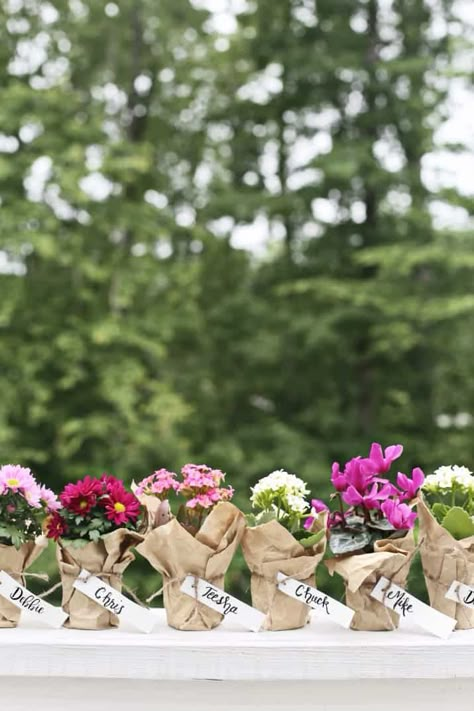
391, 559
268, 549
14, 562
175, 553
110, 556
444, 560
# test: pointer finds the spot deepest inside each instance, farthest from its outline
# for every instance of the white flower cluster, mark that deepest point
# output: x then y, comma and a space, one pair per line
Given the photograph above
287, 488
448, 477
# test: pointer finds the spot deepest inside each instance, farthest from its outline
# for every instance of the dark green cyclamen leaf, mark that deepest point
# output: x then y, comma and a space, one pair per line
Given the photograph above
342, 542
355, 522
381, 525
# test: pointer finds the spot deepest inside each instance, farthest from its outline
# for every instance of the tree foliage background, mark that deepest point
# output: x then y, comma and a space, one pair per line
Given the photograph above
140, 143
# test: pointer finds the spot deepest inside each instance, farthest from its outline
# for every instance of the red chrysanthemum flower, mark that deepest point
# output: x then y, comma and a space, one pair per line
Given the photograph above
55, 526
120, 506
80, 497
108, 481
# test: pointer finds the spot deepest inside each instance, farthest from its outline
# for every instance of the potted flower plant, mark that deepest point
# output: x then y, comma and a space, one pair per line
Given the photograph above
24, 504
276, 540
96, 526
447, 538
370, 531
200, 540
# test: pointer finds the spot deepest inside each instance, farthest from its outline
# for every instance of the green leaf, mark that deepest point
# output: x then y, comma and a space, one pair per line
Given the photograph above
439, 511
94, 535
313, 539
458, 523
382, 525
343, 542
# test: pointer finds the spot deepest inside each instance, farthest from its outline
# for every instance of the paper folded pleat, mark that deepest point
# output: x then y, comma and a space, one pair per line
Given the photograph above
175, 553
109, 556
391, 558
14, 562
269, 549
444, 560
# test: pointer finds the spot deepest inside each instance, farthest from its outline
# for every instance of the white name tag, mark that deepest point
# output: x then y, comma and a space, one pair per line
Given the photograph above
104, 595
395, 598
222, 602
29, 603
464, 594
322, 604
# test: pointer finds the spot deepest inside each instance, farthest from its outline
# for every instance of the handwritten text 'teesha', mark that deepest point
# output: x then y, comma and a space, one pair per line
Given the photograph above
211, 593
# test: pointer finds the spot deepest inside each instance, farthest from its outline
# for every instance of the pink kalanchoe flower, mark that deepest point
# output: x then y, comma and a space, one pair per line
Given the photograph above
381, 461
369, 500
200, 476
410, 487
160, 483
399, 515
202, 500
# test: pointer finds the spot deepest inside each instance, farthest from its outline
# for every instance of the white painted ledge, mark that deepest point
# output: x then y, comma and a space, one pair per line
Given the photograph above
322, 668
321, 651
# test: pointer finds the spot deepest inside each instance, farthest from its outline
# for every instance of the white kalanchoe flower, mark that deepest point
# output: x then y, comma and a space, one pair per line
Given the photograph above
280, 483
449, 477
297, 504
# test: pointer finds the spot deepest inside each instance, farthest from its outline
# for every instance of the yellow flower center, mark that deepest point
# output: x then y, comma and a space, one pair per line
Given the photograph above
120, 508
13, 482
83, 504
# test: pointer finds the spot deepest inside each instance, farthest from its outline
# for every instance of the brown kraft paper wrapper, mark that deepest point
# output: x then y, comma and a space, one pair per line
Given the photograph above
110, 556
360, 573
14, 562
268, 549
175, 553
444, 560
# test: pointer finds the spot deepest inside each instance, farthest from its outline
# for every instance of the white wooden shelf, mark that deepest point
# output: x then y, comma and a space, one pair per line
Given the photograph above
278, 668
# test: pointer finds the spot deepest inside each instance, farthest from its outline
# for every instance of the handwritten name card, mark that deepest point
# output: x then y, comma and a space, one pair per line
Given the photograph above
142, 618
30, 604
222, 602
322, 604
395, 598
461, 593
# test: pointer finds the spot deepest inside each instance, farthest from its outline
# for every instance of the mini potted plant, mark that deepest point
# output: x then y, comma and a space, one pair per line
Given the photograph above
24, 504
200, 540
447, 538
276, 540
370, 531
98, 523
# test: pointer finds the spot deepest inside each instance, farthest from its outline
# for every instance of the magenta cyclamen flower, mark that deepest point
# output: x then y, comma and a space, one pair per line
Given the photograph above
359, 474
399, 515
410, 487
317, 507
369, 500
379, 461
338, 478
